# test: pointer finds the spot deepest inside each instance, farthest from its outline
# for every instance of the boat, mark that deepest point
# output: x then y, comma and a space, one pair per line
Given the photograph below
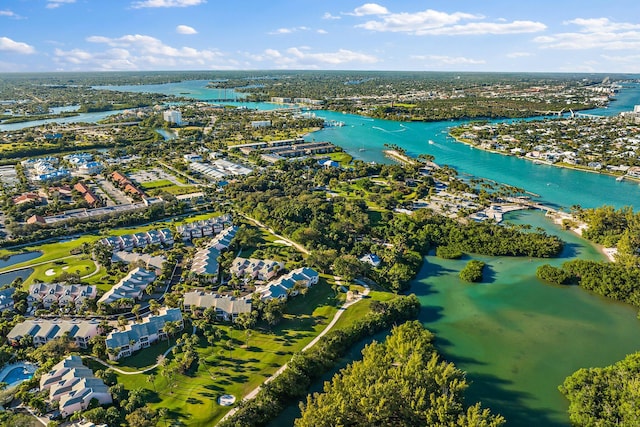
431, 142
620, 178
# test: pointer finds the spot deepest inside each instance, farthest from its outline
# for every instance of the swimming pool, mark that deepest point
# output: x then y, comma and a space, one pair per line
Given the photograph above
14, 375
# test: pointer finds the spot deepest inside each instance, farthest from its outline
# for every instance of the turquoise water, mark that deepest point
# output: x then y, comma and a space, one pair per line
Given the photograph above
518, 338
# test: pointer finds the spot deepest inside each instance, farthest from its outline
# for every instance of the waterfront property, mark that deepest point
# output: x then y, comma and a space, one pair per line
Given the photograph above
286, 285
48, 294
227, 308
44, 330
130, 286
141, 335
73, 385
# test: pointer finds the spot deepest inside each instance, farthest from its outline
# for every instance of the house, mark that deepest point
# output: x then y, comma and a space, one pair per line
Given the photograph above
26, 198
150, 262
205, 262
166, 237
74, 386
198, 229
153, 237
50, 293
372, 259
130, 286
140, 240
227, 308
90, 168
285, 285
328, 163
44, 330
256, 268
112, 242
141, 335
6, 298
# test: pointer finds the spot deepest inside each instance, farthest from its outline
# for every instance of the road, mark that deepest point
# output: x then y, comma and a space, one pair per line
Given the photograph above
298, 246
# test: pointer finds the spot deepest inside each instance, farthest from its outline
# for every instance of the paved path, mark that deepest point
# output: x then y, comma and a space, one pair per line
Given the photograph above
298, 246
120, 371
95, 272
327, 328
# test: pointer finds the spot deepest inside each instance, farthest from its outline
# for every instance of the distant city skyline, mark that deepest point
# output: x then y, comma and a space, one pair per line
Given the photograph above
437, 35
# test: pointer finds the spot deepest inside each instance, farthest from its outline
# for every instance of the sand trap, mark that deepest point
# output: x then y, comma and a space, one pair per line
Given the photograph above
50, 272
226, 400
66, 267
282, 242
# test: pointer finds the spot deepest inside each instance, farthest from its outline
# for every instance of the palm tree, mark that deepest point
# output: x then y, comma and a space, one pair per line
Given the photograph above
136, 311
151, 378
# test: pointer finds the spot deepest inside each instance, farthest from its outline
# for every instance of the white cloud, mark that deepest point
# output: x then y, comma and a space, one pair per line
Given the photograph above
327, 15
166, 3
54, 4
8, 45
449, 60
594, 33
433, 22
289, 30
321, 31
369, 9
518, 54
302, 58
185, 29
8, 13
139, 52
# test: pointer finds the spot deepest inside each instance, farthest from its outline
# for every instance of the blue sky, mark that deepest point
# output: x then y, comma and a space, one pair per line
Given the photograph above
436, 35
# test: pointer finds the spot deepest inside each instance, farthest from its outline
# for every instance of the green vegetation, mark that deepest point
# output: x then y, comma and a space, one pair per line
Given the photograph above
448, 252
554, 275
400, 382
161, 183
472, 272
305, 367
605, 396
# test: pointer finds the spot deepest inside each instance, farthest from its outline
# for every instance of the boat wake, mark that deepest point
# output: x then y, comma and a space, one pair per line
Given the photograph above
389, 131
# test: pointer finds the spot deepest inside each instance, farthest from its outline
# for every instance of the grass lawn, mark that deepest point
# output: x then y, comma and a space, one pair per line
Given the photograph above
341, 157
156, 184
235, 369
176, 190
48, 272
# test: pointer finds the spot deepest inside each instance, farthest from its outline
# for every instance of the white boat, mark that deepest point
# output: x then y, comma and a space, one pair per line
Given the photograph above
431, 142
620, 178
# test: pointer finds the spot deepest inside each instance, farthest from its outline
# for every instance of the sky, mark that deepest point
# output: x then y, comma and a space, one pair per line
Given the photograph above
429, 35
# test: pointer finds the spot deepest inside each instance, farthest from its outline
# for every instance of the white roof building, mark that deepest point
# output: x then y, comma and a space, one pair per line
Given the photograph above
130, 286
227, 308
73, 385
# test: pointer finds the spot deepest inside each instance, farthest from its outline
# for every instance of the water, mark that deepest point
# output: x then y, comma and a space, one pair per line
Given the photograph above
8, 278
167, 134
18, 374
80, 118
518, 338
16, 259
193, 89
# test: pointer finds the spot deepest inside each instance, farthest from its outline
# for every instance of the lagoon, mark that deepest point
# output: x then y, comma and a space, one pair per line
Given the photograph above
518, 338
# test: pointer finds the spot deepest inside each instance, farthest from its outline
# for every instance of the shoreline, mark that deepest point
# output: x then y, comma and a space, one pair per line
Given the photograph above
544, 162
558, 218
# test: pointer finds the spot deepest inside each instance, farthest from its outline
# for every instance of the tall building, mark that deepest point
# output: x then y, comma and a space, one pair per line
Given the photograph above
173, 116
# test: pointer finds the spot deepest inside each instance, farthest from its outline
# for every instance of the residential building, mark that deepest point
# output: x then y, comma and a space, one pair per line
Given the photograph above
371, 259
73, 386
51, 293
152, 263
260, 123
285, 285
256, 268
141, 335
205, 262
172, 116
198, 229
26, 198
227, 308
130, 286
45, 330
6, 298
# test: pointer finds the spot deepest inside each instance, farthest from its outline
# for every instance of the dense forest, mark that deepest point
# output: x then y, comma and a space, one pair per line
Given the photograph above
401, 382
606, 396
